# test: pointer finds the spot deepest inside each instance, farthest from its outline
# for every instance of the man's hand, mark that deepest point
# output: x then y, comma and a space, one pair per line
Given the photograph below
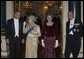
22, 41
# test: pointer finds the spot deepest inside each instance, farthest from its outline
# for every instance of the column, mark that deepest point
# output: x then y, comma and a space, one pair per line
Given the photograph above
82, 11
64, 20
6, 13
9, 9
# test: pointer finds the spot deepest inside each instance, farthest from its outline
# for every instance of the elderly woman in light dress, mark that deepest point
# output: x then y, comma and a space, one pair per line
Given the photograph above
32, 36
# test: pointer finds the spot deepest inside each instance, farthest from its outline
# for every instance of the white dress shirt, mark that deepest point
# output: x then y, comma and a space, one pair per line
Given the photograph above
71, 25
16, 25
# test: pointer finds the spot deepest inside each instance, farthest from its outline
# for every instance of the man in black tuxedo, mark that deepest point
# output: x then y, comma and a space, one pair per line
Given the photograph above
15, 35
74, 31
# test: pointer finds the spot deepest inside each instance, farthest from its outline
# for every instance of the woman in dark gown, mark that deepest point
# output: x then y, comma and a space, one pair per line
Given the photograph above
49, 38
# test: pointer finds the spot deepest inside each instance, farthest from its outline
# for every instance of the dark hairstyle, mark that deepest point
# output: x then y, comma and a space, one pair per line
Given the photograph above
47, 14
15, 12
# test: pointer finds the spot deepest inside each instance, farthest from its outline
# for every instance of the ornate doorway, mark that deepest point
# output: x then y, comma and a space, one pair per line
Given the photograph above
40, 8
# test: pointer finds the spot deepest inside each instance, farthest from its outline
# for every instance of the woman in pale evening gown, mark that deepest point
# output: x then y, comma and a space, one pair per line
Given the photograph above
49, 38
32, 37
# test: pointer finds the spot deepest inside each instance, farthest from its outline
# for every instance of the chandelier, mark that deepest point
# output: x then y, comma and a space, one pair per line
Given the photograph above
49, 3
27, 4
46, 4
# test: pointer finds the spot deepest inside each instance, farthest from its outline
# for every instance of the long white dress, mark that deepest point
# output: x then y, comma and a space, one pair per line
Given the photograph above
32, 42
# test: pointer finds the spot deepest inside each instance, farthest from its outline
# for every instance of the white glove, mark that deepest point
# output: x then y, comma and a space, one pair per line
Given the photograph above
71, 33
43, 43
56, 44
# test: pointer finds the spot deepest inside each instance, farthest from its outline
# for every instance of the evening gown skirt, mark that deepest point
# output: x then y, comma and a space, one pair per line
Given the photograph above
49, 51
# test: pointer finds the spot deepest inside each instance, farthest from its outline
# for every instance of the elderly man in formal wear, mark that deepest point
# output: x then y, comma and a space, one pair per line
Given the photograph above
74, 30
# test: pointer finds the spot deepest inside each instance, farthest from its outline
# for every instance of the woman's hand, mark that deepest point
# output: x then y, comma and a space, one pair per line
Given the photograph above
24, 23
56, 44
43, 43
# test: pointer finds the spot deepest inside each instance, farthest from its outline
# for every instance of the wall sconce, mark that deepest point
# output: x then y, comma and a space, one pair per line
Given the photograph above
60, 7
